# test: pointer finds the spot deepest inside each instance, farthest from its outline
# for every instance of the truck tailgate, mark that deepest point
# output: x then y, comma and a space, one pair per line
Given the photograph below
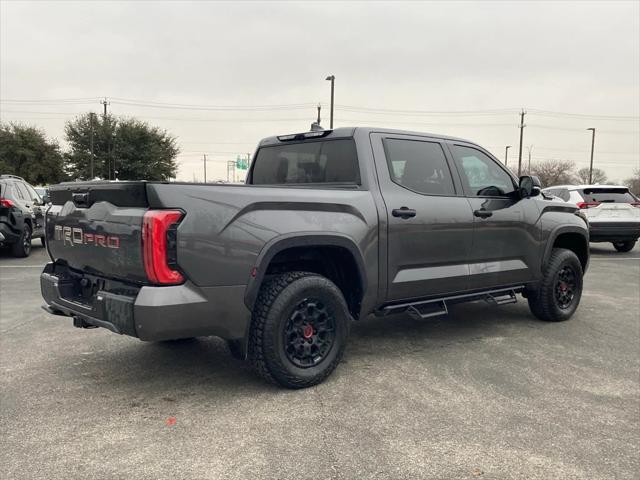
97, 228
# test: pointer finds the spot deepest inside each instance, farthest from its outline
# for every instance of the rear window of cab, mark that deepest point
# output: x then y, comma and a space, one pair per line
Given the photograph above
326, 162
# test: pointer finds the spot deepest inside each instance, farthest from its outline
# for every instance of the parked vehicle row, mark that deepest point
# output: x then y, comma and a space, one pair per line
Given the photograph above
21, 215
612, 210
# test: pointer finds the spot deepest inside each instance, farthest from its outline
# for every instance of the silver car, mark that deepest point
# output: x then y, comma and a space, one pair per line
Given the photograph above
612, 210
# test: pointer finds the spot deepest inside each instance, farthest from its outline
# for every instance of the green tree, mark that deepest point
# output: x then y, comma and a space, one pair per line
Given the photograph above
26, 152
144, 152
598, 175
123, 148
80, 133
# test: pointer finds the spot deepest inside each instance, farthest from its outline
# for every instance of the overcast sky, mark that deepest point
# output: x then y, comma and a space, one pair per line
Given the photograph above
573, 58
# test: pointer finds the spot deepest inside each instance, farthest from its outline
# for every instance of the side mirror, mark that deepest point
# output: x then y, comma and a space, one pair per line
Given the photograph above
529, 186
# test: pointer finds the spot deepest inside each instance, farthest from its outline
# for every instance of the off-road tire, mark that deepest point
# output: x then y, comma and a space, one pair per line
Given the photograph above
277, 301
543, 301
22, 248
624, 246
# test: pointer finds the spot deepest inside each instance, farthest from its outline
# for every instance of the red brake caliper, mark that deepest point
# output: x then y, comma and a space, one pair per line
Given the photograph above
307, 332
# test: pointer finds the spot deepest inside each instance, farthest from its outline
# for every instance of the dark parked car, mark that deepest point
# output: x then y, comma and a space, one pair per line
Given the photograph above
21, 215
331, 226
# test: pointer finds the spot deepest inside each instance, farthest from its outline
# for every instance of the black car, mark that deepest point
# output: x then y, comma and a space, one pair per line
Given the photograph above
21, 215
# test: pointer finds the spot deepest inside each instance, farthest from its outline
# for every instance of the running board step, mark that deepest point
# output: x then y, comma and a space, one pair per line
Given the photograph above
438, 306
502, 298
420, 312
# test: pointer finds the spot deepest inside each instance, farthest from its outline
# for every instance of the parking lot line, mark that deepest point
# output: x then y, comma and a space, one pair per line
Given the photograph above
21, 266
615, 259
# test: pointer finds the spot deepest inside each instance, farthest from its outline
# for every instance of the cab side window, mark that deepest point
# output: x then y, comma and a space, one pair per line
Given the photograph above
481, 176
419, 166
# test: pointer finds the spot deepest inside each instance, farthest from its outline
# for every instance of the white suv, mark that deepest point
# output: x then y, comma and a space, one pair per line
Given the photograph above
613, 212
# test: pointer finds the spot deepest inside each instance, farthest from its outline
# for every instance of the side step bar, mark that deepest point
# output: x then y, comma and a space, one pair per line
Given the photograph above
438, 306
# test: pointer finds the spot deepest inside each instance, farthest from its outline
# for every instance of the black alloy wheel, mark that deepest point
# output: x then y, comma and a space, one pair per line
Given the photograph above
565, 286
309, 333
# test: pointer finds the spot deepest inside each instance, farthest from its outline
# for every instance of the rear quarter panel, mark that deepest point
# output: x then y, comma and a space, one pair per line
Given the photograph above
227, 226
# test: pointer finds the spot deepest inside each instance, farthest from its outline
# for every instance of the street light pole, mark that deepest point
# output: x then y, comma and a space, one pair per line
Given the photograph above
204, 160
593, 141
506, 154
332, 78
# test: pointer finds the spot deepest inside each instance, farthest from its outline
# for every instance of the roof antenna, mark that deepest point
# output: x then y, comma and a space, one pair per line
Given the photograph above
315, 126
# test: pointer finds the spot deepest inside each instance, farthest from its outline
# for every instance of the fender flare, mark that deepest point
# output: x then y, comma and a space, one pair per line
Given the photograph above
559, 230
283, 242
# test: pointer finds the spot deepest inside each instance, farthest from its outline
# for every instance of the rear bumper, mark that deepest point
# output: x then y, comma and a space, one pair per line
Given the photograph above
152, 313
7, 234
613, 231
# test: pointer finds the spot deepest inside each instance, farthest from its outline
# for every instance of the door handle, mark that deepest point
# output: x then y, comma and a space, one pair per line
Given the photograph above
482, 213
403, 212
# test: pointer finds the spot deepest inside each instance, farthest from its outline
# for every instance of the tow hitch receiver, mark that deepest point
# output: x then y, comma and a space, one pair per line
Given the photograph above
80, 323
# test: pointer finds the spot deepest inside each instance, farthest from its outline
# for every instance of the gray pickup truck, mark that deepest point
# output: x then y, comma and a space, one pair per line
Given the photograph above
331, 226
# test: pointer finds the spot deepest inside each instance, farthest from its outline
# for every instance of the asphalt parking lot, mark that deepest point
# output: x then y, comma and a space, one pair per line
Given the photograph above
484, 393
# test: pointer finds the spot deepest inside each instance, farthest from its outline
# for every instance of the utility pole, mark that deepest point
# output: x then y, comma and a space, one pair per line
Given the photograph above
506, 154
593, 141
104, 104
529, 168
204, 159
91, 141
231, 171
522, 125
332, 78
318, 120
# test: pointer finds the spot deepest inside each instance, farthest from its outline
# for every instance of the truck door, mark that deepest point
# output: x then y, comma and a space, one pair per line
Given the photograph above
506, 240
429, 220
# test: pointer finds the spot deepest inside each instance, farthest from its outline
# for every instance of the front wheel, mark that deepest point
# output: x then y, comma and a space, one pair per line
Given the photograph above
299, 329
624, 246
22, 248
558, 295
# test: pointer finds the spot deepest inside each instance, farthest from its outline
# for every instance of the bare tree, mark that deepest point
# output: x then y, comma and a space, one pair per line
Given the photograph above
598, 176
634, 182
554, 172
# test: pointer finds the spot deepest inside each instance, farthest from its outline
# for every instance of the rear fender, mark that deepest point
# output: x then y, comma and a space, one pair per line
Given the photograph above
283, 242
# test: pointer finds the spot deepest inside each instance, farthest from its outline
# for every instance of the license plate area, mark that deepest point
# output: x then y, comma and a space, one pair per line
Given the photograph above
81, 290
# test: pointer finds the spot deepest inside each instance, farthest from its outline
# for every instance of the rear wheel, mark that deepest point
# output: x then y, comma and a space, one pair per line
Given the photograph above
299, 329
558, 294
624, 246
22, 248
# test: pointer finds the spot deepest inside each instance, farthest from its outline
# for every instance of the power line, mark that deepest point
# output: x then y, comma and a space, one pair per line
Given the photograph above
549, 113
549, 127
297, 106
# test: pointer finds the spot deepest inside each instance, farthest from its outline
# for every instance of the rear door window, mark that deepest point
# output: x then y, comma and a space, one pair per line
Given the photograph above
324, 162
419, 166
607, 195
20, 191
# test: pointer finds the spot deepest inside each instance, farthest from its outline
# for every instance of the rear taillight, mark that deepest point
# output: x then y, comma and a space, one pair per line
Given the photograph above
159, 246
584, 205
5, 202
635, 204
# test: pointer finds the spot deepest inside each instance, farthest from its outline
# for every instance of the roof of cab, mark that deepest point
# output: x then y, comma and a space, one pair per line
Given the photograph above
348, 132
